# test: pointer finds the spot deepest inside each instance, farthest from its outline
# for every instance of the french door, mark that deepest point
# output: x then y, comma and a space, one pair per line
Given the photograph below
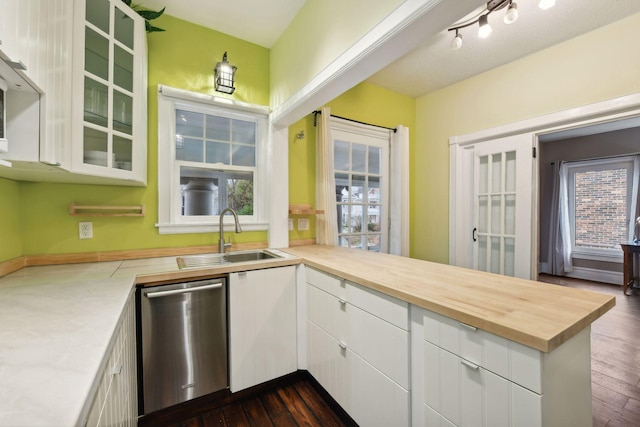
502, 203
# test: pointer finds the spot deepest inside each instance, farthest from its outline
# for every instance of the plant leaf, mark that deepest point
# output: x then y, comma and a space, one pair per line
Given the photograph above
150, 28
150, 14
127, 2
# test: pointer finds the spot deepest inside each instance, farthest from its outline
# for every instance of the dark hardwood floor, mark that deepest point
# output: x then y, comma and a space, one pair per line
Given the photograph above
292, 401
615, 355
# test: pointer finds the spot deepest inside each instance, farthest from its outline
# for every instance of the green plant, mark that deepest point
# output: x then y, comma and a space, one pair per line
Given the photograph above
148, 15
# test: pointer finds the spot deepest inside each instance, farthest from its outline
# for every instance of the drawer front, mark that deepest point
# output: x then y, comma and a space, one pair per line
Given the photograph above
467, 395
327, 362
383, 345
328, 283
328, 312
516, 362
383, 306
375, 400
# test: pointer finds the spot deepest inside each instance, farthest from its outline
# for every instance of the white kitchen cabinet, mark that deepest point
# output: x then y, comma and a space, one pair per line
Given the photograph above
262, 326
87, 117
358, 349
110, 91
116, 400
469, 377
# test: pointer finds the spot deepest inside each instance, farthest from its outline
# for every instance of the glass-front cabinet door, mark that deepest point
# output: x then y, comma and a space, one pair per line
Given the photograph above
109, 104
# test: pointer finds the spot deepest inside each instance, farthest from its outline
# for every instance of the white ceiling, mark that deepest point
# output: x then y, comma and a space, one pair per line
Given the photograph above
258, 21
433, 65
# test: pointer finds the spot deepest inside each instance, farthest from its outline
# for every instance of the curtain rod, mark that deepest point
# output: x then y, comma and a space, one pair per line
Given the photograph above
598, 158
315, 117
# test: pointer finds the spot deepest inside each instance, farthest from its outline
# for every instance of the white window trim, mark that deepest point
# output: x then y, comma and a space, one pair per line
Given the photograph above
607, 255
169, 219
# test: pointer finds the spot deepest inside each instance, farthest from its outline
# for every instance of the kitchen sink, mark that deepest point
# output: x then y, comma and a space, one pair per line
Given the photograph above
211, 260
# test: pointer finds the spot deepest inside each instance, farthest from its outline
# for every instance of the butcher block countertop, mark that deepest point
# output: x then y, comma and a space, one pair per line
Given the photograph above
534, 314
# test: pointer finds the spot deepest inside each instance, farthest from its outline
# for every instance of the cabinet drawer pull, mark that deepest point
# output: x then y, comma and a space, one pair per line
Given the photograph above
469, 364
469, 327
341, 301
116, 369
342, 346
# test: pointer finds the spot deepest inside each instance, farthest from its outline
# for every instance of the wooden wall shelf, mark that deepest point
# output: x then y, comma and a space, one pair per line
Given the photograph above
304, 210
105, 210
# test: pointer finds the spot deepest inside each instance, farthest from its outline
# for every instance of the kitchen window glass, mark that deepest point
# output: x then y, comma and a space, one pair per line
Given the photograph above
210, 157
362, 180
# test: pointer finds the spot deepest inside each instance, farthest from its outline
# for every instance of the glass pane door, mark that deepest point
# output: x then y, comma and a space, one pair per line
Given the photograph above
502, 206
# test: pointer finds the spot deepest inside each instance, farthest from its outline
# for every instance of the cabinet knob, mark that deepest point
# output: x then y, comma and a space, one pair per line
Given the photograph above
342, 302
116, 369
342, 346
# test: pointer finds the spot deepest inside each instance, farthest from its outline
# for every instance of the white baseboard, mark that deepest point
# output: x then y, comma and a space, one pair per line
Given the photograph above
604, 276
613, 277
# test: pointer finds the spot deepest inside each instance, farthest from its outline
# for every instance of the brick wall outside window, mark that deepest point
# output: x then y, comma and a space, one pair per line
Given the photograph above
601, 208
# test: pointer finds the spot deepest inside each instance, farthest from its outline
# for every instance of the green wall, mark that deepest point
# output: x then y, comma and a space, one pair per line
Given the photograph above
366, 103
593, 67
10, 223
184, 57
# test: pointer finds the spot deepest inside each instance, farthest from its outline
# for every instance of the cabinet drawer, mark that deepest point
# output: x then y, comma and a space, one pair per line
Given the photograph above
326, 282
383, 306
516, 362
380, 343
468, 395
388, 308
328, 312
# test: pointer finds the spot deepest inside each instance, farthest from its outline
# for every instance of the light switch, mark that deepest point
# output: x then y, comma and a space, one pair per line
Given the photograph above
303, 224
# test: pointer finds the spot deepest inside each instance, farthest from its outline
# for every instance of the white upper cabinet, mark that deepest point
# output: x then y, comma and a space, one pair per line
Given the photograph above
87, 62
109, 89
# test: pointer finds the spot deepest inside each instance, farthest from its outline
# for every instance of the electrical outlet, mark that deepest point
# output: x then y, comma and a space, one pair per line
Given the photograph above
303, 224
85, 230
290, 224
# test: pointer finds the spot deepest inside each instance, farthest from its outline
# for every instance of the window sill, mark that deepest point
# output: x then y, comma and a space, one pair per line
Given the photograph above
612, 257
208, 227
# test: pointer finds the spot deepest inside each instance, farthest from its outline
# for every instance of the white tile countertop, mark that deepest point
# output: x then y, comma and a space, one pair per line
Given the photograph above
57, 324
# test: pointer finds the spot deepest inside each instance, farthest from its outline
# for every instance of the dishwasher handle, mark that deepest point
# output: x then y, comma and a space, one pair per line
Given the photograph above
183, 291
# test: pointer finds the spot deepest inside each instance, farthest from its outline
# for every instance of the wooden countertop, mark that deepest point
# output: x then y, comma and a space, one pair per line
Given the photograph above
535, 314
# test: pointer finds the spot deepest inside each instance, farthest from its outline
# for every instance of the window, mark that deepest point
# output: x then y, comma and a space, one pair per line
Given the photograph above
209, 158
362, 186
601, 198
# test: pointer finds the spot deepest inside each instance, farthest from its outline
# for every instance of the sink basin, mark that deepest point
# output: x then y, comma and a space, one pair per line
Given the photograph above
210, 260
248, 256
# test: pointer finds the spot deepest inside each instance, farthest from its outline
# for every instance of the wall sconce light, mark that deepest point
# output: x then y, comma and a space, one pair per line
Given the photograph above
224, 76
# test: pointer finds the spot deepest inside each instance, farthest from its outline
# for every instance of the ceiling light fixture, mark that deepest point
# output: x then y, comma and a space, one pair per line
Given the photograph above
512, 14
482, 19
224, 76
456, 43
484, 28
546, 4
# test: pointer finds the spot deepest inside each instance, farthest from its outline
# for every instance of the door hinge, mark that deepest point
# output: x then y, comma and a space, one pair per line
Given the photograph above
534, 152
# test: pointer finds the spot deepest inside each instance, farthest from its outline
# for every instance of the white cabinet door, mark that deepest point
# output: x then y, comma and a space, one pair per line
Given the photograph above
468, 395
262, 326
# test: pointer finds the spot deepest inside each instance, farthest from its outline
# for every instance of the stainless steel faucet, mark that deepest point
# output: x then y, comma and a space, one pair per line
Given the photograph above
221, 243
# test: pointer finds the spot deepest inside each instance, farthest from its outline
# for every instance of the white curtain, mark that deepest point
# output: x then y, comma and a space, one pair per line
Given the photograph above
327, 223
633, 212
399, 193
563, 220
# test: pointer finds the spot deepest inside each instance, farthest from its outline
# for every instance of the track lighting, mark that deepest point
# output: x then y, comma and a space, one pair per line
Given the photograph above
456, 43
512, 14
481, 17
485, 29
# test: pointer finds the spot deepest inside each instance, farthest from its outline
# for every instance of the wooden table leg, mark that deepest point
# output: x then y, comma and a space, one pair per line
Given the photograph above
627, 271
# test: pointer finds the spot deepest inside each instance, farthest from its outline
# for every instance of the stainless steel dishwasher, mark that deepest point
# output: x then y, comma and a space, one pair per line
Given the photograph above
183, 340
